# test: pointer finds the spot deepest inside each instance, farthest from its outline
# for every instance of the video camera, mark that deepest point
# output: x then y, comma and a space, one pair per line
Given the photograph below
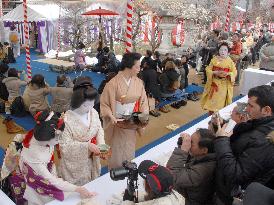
129, 170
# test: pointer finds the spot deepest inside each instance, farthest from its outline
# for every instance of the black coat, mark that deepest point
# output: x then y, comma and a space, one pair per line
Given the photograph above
193, 176
150, 78
246, 157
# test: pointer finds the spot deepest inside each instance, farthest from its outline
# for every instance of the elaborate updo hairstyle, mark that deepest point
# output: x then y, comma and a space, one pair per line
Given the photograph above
83, 90
224, 44
38, 80
81, 45
129, 59
46, 124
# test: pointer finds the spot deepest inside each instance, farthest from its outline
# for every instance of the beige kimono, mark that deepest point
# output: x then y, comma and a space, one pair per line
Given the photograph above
122, 141
77, 166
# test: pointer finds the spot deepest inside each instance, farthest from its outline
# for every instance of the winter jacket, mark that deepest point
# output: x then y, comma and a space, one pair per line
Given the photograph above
193, 176
61, 97
4, 94
169, 81
13, 85
246, 157
36, 98
267, 57
172, 199
150, 78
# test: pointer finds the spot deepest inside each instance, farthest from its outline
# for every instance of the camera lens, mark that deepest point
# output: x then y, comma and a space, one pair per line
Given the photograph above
118, 174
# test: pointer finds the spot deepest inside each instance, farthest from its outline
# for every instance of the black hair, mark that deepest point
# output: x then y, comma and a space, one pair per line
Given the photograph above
38, 80
3, 68
129, 59
151, 64
6, 43
217, 32
237, 34
81, 45
206, 139
177, 62
83, 90
45, 130
149, 53
60, 79
157, 54
184, 55
12, 72
224, 44
264, 94
106, 49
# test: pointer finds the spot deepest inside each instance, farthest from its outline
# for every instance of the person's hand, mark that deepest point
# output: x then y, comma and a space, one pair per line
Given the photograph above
93, 148
223, 74
113, 120
221, 130
84, 193
186, 145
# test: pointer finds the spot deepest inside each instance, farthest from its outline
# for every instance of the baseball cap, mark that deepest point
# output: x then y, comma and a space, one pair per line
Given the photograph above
159, 178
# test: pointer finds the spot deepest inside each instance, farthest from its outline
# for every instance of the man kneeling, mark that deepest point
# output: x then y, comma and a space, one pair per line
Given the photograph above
192, 165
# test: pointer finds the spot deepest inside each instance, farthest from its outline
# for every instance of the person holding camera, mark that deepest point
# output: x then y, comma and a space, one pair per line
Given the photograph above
158, 186
123, 96
192, 165
246, 155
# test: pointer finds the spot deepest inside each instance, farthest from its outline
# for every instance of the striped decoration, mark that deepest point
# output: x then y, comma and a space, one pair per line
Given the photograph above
1, 9
26, 31
58, 33
228, 15
129, 26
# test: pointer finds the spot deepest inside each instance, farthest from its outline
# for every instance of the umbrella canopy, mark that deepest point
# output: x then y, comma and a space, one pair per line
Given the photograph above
100, 12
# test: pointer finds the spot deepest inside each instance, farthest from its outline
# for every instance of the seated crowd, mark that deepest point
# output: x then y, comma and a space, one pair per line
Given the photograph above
211, 166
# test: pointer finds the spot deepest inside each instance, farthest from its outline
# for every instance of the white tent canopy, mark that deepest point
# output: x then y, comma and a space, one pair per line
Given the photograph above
36, 13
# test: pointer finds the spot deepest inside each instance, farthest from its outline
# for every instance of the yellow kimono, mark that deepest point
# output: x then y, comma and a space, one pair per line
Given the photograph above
218, 91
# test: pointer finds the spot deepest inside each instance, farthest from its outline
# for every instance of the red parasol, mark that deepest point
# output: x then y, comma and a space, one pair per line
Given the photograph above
100, 12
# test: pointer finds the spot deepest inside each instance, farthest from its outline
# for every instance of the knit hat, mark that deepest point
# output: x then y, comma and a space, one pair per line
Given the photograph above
159, 178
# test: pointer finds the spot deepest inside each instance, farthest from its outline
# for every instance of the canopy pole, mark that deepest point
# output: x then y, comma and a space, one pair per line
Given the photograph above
26, 30
129, 46
59, 33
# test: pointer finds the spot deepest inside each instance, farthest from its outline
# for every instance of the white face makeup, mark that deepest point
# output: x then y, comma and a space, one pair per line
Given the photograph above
223, 52
85, 107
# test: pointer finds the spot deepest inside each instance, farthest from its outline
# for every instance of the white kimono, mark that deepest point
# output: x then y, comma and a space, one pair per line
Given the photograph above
38, 157
77, 165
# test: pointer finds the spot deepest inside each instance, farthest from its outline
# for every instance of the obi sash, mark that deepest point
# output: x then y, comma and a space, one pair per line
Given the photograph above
41, 185
216, 68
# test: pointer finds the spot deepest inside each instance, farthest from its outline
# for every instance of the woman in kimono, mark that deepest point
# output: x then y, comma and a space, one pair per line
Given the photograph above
221, 74
80, 163
36, 163
120, 97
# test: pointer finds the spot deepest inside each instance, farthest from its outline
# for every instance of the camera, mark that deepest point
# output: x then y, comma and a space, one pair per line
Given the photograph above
129, 170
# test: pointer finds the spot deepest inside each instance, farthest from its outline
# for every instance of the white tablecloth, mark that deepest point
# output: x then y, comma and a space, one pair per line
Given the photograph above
105, 187
254, 77
4, 199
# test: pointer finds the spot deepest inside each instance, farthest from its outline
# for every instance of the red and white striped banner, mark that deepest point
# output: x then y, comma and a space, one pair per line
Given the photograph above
58, 33
1, 9
129, 26
26, 31
228, 15
178, 34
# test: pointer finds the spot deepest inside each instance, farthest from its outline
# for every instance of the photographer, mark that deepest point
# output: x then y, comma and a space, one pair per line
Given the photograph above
158, 186
192, 165
246, 156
